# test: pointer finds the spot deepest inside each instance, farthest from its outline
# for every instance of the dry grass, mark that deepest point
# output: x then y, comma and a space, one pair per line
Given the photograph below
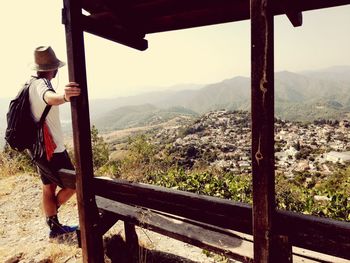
62, 253
12, 163
6, 187
47, 252
23, 232
9, 166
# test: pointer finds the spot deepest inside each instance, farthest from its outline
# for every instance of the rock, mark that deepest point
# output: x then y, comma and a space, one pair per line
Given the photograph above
14, 259
321, 198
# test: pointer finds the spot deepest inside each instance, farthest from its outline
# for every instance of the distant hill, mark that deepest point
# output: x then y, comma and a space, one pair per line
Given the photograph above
139, 115
302, 96
335, 73
312, 95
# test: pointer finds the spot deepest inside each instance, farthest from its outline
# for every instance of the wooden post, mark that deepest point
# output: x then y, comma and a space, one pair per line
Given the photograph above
262, 75
282, 249
91, 239
132, 242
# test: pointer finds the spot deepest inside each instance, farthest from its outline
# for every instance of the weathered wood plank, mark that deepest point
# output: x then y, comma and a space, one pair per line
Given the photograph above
309, 5
315, 233
293, 13
207, 209
91, 239
165, 15
296, 18
220, 241
113, 33
199, 17
68, 178
107, 220
240, 245
282, 249
262, 111
165, 6
132, 241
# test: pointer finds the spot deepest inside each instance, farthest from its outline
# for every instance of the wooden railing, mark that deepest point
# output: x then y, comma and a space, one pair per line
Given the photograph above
322, 235
319, 234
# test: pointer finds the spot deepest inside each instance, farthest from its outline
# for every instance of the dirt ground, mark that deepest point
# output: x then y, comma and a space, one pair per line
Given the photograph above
24, 234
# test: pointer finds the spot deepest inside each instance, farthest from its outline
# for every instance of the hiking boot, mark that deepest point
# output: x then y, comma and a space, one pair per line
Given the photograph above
62, 230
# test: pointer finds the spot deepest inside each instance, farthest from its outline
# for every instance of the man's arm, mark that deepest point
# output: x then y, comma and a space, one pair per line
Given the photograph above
71, 90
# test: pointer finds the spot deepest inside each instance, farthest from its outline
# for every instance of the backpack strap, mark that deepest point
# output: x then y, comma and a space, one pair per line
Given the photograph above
43, 116
48, 107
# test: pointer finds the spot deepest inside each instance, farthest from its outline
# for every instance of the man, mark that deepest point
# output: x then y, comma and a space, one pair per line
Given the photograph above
41, 94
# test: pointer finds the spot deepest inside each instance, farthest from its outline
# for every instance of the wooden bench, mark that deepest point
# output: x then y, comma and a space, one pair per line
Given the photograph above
192, 232
232, 244
217, 225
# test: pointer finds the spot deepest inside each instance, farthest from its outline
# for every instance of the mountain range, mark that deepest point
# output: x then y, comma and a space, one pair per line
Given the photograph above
299, 96
302, 96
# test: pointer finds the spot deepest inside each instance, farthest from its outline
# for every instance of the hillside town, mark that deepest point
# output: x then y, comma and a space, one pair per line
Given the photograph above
222, 140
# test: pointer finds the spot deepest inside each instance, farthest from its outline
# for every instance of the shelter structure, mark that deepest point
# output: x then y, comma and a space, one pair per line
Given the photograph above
128, 22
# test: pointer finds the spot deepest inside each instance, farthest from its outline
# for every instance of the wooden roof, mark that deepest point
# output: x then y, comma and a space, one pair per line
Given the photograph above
128, 21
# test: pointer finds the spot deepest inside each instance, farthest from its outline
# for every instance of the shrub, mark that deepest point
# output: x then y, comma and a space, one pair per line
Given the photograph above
298, 195
100, 151
228, 185
13, 162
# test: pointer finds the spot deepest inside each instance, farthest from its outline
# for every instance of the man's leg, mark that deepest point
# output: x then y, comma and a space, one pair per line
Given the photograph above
50, 207
49, 199
64, 195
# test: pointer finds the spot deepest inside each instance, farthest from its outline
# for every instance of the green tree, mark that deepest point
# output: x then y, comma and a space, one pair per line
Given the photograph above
100, 150
141, 150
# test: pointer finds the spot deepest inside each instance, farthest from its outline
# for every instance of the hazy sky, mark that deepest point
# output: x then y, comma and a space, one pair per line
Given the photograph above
201, 56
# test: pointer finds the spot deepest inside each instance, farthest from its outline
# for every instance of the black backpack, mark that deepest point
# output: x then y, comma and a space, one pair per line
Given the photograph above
22, 129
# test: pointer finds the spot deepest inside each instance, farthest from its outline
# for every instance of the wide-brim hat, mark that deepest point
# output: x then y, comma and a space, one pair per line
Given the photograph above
45, 59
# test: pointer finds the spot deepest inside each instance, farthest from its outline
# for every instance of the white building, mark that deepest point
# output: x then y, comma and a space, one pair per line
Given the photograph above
341, 157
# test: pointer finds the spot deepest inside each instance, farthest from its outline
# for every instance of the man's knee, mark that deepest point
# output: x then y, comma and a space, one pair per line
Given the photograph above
49, 189
66, 192
70, 191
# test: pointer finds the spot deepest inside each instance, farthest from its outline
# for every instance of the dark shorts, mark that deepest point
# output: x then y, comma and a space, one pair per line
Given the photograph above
48, 169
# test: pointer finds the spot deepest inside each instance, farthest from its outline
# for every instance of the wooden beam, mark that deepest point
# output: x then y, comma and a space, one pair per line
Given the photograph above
171, 7
199, 17
132, 241
296, 18
291, 10
208, 237
282, 249
262, 111
315, 4
324, 235
157, 16
193, 206
68, 178
91, 239
107, 220
114, 33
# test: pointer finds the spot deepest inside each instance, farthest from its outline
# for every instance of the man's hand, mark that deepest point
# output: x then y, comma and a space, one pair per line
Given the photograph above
71, 90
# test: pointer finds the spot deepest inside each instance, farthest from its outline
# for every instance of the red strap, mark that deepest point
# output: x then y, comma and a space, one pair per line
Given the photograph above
50, 145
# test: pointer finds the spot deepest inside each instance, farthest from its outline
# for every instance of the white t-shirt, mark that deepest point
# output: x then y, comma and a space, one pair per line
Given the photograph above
36, 97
